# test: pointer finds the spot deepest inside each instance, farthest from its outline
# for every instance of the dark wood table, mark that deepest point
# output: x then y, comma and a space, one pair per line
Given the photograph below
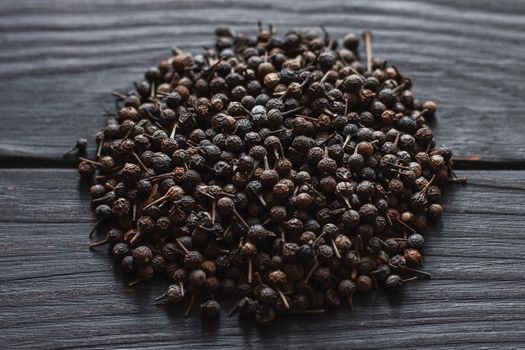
59, 62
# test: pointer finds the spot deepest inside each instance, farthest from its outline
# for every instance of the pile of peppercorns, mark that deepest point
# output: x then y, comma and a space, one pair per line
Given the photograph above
279, 170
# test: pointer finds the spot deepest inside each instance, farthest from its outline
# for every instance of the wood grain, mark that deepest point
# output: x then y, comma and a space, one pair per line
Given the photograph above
60, 60
55, 293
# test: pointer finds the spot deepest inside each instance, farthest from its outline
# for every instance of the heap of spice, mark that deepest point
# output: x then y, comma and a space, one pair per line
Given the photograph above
280, 170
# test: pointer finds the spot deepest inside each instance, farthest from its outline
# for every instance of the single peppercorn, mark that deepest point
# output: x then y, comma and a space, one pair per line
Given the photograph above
210, 310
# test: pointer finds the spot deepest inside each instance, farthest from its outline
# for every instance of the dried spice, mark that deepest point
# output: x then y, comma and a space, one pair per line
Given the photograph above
281, 170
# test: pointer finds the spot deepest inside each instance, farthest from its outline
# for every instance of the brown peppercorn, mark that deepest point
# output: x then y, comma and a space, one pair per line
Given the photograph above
142, 255
413, 257
364, 284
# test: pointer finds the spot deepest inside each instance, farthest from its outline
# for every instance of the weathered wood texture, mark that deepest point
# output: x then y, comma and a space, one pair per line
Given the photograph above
60, 60
55, 293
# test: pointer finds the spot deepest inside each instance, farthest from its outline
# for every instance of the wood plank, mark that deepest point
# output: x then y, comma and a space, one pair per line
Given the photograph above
66, 57
55, 293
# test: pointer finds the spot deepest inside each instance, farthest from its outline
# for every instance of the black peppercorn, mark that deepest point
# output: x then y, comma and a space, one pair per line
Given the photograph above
210, 310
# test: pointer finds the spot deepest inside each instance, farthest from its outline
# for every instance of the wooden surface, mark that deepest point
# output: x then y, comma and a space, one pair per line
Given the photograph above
59, 62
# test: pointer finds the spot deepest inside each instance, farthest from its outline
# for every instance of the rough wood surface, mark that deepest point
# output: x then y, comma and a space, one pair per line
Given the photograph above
61, 59
55, 293
59, 62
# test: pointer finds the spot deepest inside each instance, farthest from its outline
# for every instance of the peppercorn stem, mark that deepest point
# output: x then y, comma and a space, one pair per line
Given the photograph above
173, 130
283, 298
291, 111
276, 154
153, 193
325, 76
346, 141
337, 211
94, 229
136, 237
190, 306
266, 165
99, 150
99, 243
192, 144
398, 166
160, 125
336, 250
310, 273
182, 246
135, 282
181, 285
250, 269
315, 120
238, 216
307, 312
399, 87
455, 178
160, 297
204, 228
281, 231
90, 161
295, 151
351, 301
152, 92
409, 279
425, 189
347, 202
161, 199
128, 133
145, 168
213, 210
69, 151
261, 199
319, 237
388, 220
357, 247
406, 226
328, 112
419, 272
258, 277
277, 131
101, 177
368, 47
233, 310
374, 280
461, 180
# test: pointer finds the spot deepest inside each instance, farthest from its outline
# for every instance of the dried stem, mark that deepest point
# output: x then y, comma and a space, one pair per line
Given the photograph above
368, 47
190, 306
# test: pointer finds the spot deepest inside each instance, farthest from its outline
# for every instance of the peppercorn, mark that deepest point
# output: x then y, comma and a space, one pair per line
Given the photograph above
364, 284
142, 256
247, 307
127, 264
173, 295
265, 315
415, 241
210, 310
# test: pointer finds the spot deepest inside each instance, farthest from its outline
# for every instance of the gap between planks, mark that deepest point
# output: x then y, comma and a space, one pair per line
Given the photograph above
8, 161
